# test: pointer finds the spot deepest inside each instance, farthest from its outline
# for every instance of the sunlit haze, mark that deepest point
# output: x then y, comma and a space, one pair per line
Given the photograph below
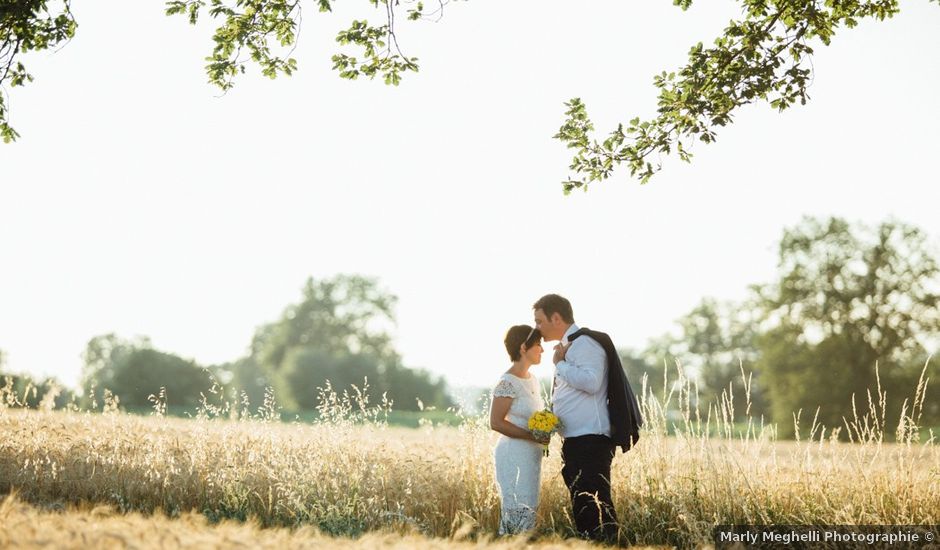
137, 201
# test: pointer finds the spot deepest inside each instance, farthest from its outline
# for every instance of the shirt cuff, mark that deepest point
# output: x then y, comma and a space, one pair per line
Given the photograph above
561, 368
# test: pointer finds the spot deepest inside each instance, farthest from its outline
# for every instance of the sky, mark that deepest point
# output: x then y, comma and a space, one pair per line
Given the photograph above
140, 201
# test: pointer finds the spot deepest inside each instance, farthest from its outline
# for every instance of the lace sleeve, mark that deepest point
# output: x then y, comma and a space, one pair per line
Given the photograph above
504, 389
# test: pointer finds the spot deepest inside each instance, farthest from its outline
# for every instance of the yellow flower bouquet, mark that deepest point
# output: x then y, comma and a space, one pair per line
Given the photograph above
542, 425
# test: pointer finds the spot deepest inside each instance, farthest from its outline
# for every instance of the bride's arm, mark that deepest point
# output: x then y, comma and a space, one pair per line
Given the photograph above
498, 411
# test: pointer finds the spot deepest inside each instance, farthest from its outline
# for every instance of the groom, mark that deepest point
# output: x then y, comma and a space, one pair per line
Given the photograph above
598, 411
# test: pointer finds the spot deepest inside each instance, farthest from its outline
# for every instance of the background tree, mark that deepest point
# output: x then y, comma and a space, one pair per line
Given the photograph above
133, 371
243, 379
414, 389
100, 359
308, 368
847, 297
342, 314
27, 391
339, 331
655, 362
717, 342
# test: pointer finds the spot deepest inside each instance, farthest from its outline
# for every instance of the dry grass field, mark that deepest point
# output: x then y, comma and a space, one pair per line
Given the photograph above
23, 527
385, 486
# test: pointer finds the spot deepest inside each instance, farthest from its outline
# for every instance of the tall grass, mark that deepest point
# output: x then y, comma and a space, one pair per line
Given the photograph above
344, 476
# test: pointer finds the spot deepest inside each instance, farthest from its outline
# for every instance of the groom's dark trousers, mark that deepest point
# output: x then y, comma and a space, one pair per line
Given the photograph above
586, 472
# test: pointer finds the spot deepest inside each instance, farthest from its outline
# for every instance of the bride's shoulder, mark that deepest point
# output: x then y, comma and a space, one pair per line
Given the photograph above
505, 386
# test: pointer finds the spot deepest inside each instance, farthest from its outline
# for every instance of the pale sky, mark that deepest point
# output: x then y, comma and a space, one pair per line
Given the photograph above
138, 202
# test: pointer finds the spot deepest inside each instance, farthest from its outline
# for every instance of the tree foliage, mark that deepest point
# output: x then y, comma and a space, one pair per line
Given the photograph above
20, 390
25, 26
263, 32
345, 313
846, 298
876, 284
249, 30
338, 331
26, 391
133, 371
716, 342
245, 379
763, 56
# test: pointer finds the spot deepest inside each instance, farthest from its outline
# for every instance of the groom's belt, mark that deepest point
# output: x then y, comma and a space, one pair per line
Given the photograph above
588, 437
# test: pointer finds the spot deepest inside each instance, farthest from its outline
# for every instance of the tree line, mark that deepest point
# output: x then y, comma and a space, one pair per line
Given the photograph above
337, 332
847, 298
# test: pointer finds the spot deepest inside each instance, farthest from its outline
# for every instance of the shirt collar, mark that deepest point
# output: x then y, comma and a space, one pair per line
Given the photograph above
571, 330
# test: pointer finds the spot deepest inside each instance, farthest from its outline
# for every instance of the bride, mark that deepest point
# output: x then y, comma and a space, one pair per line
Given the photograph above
518, 454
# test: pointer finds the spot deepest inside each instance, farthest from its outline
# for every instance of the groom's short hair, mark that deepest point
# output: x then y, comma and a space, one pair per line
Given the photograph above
553, 303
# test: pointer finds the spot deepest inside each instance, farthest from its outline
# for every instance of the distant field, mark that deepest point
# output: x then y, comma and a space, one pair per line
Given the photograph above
346, 479
404, 419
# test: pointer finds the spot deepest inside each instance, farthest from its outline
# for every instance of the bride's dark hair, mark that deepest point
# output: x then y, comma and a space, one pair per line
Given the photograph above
518, 335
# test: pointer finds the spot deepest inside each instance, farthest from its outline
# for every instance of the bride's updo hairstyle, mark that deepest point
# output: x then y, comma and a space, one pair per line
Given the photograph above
519, 334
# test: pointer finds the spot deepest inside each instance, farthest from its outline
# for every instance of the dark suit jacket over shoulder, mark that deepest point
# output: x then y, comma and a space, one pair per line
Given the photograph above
625, 419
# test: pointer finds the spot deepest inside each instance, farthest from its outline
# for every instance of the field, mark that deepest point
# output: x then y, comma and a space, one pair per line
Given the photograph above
23, 526
374, 484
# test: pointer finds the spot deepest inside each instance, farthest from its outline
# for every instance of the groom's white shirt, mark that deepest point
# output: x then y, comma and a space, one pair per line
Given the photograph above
580, 397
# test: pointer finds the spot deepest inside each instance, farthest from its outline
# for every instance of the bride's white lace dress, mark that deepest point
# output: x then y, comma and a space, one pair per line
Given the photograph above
518, 461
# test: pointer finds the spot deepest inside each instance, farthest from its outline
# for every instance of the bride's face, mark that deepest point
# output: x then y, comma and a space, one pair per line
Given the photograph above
534, 353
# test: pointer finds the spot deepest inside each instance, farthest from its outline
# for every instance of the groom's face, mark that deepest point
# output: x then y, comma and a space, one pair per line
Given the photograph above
548, 327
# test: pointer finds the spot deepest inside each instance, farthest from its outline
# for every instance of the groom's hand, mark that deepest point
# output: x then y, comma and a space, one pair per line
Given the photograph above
560, 351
